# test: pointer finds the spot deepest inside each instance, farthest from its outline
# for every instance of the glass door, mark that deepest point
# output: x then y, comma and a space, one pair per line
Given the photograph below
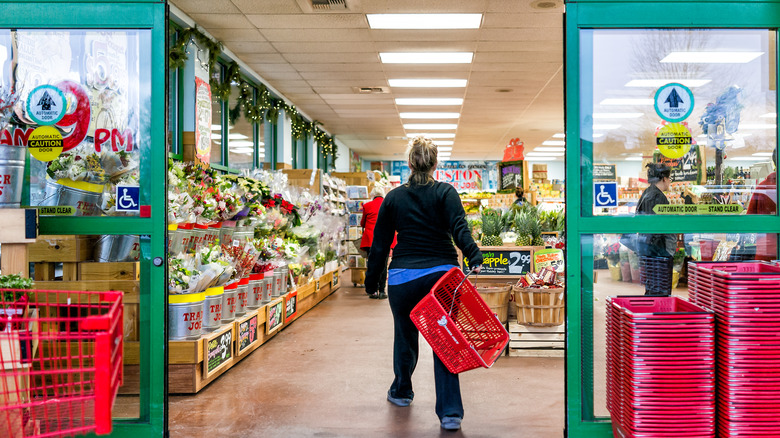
87, 82
676, 104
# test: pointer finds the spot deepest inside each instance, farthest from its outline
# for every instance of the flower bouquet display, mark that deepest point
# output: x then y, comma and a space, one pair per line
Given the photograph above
612, 253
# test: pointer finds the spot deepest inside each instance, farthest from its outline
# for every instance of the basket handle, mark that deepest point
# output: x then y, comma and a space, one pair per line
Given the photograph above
455, 292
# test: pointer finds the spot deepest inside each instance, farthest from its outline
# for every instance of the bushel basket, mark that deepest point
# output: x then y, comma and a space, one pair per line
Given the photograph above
459, 326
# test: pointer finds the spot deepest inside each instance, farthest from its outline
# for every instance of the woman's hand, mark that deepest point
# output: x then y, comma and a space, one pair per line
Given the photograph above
476, 269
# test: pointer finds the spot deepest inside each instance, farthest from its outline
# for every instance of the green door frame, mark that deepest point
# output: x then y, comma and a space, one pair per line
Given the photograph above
21, 14
614, 14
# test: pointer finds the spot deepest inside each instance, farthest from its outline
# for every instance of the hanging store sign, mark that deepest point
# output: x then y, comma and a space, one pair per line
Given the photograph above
604, 172
510, 174
202, 120
674, 102
463, 175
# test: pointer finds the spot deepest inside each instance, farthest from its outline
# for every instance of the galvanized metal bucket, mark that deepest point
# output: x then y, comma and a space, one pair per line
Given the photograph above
255, 291
243, 297
85, 197
229, 303
268, 287
212, 308
11, 175
117, 248
276, 283
285, 274
226, 232
185, 316
198, 239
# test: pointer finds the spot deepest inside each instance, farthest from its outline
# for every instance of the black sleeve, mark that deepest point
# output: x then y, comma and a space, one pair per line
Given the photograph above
459, 228
384, 231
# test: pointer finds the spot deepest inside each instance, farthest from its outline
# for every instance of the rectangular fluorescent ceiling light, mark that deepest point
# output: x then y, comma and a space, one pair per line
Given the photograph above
428, 83
544, 149
430, 101
447, 143
237, 136
430, 115
426, 57
762, 154
239, 143
431, 126
617, 115
769, 116
424, 21
216, 127
432, 135
634, 158
745, 158
559, 135
597, 135
242, 150
554, 143
655, 83
544, 154
604, 127
627, 101
711, 57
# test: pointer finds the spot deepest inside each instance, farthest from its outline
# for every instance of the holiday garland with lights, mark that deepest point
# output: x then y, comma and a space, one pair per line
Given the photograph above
266, 107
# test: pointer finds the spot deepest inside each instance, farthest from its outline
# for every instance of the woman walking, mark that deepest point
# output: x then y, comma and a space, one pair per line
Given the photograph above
428, 216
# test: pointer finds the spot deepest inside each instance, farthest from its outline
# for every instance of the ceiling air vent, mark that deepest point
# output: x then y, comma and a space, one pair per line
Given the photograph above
328, 5
371, 90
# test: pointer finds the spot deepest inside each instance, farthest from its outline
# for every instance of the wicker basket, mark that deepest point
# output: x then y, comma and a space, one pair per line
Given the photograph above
496, 295
539, 307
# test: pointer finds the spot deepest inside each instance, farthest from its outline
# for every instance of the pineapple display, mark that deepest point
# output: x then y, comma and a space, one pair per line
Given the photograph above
523, 225
491, 228
536, 234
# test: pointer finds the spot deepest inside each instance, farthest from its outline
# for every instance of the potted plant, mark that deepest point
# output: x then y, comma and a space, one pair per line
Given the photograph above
612, 253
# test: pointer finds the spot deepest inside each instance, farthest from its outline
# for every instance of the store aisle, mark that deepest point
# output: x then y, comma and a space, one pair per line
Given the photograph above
326, 375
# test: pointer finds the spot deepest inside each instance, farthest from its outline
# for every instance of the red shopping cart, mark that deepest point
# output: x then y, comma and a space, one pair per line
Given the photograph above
60, 362
459, 326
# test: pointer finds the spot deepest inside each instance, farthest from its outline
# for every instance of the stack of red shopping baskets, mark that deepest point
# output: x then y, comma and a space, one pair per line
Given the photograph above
746, 301
60, 362
660, 367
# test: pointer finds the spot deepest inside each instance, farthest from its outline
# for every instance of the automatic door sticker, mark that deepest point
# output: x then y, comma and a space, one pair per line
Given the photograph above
128, 198
674, 102
674, 140
605, 194
46, 105
45, 143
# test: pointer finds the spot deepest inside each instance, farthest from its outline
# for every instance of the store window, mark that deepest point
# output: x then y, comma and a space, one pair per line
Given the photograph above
621, 271
216, 118
241, 145
83, 116
700, 103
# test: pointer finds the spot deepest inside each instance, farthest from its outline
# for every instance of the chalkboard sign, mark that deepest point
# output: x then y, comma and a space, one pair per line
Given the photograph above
290, 306
218, 352
510, 175
247, 333
275, 316
510, 262
335, 281
687, 168
604, 172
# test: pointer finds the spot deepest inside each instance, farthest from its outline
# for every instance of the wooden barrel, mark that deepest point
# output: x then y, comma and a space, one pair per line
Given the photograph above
539, 307
496, 295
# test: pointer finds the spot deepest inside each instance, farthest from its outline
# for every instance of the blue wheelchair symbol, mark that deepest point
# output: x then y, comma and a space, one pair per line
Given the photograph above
128, 198
605, 194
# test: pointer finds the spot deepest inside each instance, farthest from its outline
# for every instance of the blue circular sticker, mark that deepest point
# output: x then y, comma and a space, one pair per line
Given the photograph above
673, 102
46, 105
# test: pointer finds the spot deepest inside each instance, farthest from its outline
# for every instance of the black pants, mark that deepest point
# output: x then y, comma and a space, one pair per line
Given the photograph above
402, 299
382, 275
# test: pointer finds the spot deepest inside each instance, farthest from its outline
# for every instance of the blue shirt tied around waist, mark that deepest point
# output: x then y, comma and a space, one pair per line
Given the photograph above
401, 276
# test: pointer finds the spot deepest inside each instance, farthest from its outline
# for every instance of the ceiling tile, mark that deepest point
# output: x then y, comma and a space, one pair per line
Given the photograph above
331, 58
267, 6
523, 46
417, 6
206, 6
544, 34
425, 46
517, 56
310, 21
338, 67
273, 75
315, 34
233, 21
514, 20
521, 6
425, 35
345, 76
241, 47
231, 34
324, 47
263, 58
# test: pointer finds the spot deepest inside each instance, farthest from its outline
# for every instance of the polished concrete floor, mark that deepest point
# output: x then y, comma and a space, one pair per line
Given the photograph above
327, 375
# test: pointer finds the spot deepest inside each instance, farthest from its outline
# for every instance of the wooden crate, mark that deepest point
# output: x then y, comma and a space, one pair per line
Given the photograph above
65, 248
45, 271
109, 271
130, 288
310, 179
536, 341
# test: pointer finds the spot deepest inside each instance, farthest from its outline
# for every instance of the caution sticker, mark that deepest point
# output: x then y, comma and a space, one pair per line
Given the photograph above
674, 140
46, 105
45, 143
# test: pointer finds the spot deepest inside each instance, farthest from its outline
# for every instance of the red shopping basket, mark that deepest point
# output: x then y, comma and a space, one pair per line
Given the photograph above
458, 324
60, 362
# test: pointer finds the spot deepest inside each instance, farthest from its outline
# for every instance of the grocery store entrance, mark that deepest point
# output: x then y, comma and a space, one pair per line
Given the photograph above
327, 375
